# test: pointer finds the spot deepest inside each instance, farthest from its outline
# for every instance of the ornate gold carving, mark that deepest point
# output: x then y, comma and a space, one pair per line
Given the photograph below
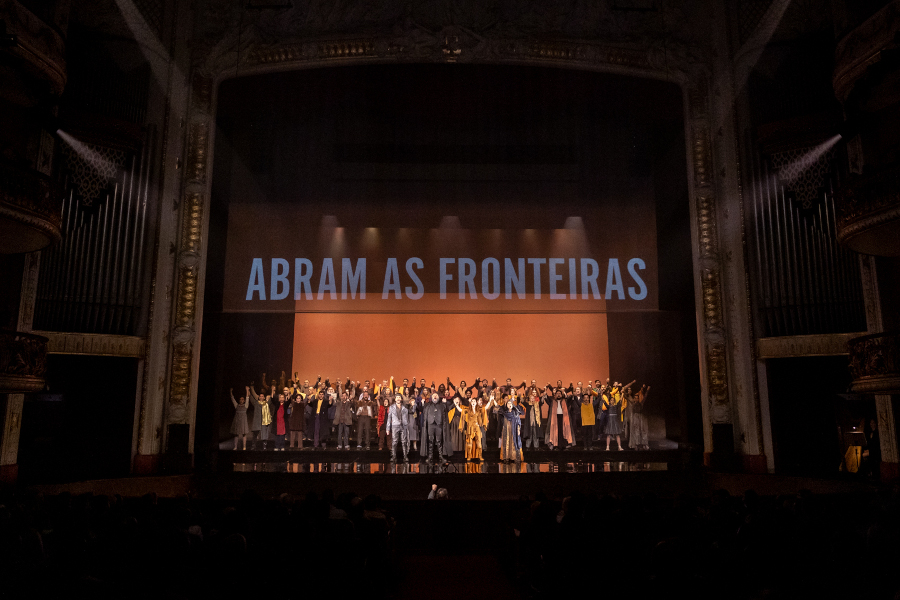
347, 49
198, 139
831, 344
27, 196
706, 225
862, 47
181, 374
875, 363
187, 297
867, 202
712, 299
23, 362
278, 54
700, 152
554, 51
95, 344
38, 44
192, 222
716, 373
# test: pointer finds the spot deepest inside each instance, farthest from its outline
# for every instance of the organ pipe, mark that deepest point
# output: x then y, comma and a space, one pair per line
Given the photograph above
803, 280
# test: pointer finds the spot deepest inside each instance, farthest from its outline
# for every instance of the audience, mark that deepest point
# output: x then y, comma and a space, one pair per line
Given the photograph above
791, 546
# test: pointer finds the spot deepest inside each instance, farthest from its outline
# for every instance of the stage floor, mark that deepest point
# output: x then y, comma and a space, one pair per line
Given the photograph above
374, 462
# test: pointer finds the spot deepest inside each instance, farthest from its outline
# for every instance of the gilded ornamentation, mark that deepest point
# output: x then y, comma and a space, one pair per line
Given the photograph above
198, 140
284, 53
712, 298
868, 201
582, 34
187, 297
23, 362
716, 373
94, 344
37, 43
875, 363
192, 223
700, 152
706, 225
181, 374
347, 49
30, 198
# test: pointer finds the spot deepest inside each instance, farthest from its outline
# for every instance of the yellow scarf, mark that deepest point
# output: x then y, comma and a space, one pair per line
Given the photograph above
587, 414
266, 413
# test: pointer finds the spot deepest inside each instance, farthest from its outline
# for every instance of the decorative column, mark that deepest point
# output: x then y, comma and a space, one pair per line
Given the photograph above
169, 345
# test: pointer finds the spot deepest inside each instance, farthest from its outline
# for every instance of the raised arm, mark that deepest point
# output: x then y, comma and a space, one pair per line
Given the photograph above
251, 392
233, 401
628, 386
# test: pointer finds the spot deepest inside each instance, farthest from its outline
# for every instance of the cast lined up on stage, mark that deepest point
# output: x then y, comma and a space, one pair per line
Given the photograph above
440, 420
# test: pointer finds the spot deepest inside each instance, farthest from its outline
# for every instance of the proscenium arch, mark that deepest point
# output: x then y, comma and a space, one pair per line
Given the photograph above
193, 217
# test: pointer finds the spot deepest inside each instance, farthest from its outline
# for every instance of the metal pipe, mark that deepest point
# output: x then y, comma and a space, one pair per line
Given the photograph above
104, 225
762, 246
134, 192
773, 224
131, 224
57, 287
140, 285
109, 290
78, 266
782, 259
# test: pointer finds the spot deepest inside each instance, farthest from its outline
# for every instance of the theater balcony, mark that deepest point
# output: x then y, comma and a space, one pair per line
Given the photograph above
23, 362
866, 80
875, 363
32, 76
32, 48
868, 207
30, 210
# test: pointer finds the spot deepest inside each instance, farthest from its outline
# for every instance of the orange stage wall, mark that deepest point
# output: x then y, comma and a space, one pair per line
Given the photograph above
545, 347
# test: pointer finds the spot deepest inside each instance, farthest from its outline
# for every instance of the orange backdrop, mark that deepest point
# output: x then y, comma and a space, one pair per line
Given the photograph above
545, 347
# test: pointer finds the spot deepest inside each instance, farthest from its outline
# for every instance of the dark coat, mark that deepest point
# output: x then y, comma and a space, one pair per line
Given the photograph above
441, 409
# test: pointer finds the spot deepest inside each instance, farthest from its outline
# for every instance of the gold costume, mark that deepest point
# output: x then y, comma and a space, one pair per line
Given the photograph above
475, 419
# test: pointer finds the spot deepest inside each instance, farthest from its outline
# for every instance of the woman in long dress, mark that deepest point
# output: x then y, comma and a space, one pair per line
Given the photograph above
298, 418
511, 439
457, 426
239, 426
612, 402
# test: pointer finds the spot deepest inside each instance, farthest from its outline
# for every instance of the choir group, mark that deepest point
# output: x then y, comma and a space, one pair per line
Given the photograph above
440, 419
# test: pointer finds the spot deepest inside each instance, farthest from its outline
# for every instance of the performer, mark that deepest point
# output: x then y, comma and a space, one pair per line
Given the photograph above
612, 401
435, 430
320, 422
281, 420
263, 413
382, 414
397, 425
475, 418
239, 425
511, 446
485, 410
343, 418
457, 426
415, 417
366, 408
298, 418
532, 428
586, 405
559, 423
639, 439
